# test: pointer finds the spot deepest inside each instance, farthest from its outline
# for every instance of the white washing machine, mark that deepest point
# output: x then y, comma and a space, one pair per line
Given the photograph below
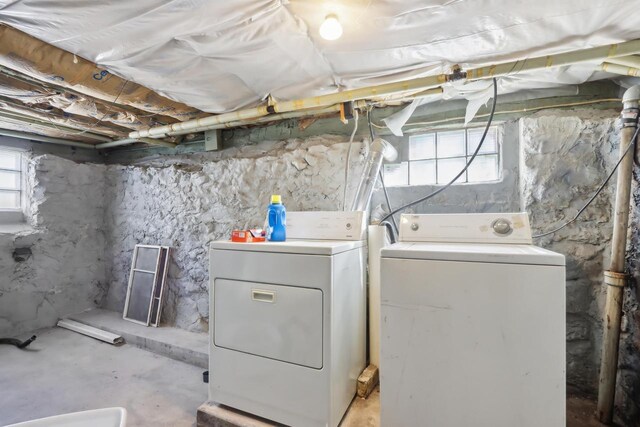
287, 320
472, 325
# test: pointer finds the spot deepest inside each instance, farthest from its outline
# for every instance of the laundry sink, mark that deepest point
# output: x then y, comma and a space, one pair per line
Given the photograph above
106, 417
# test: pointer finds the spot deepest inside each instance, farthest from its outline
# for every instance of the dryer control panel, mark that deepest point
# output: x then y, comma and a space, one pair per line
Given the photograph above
326, 225
512, 228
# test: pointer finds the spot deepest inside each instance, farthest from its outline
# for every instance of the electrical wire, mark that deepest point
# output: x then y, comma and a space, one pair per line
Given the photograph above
380, 174
348, 165
604, 183
386, 198
475, 153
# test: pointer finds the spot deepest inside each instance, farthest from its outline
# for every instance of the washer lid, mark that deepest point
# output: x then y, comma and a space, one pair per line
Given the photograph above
493, 253
308, 247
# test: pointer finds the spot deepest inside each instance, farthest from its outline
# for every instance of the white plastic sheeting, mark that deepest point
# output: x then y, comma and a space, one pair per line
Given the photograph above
223, 55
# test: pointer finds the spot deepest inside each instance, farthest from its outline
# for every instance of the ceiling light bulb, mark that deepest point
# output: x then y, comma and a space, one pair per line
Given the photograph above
331, 29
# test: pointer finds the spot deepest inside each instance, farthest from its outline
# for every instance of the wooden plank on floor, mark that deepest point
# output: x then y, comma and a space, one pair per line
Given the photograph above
367, 381
361, 413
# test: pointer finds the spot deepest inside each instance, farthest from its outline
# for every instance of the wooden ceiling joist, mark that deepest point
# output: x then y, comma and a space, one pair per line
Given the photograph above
58, 117
28, 55
29, 91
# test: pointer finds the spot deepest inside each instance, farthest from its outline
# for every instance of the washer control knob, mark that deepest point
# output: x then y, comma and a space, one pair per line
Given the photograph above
415, 226
502, 226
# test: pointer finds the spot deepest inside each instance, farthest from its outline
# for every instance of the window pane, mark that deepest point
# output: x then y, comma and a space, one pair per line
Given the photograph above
490, 144
484, 168
448, 168
9, 200
422, 147
9, 180
451, 144
396, 174
9, 159
422, 172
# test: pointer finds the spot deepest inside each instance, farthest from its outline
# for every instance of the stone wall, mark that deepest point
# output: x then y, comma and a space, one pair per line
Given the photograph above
564, 158
553, 161
188, 201
87, 219
66, 271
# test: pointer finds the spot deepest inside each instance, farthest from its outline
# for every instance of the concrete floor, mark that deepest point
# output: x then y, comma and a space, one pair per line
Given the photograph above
581, 413
63, 371
175, 343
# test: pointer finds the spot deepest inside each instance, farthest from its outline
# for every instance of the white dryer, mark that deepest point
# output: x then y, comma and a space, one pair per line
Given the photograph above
287, 320
472, 325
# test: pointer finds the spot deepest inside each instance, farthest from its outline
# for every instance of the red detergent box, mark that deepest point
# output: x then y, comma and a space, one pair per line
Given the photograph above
248, 236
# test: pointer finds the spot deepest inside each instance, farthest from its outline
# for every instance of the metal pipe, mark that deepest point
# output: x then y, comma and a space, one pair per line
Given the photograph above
205, 122
42, 138
514, 111
265, 119
296, 105
117, 143
299, 113
422, 94
271, 117
380, 150
424, 83
127, 141
615, 277
619, 69
595, 54
632, 61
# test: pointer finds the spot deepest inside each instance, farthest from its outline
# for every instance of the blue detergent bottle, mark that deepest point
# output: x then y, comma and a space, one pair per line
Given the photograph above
277, 215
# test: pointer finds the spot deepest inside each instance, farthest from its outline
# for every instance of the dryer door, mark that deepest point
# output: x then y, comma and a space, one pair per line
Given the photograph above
274, 321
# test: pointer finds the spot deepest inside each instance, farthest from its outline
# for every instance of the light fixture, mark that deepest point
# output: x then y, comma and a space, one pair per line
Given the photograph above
331, 29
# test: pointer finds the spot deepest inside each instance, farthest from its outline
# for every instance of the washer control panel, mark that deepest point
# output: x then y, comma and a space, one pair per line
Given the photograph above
511, 228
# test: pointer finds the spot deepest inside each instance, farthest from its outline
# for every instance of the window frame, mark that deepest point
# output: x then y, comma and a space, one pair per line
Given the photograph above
15, 215
467, 154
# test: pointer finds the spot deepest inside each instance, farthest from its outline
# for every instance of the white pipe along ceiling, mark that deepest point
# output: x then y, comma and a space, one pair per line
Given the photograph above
255, 61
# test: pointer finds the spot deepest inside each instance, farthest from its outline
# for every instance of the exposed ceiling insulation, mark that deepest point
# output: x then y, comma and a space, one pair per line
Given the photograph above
220, 56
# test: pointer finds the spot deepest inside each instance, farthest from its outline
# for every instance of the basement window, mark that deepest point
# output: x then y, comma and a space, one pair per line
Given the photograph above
435, 158
11, 186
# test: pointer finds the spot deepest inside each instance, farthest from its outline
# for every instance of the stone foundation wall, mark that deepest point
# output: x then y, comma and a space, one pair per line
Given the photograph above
86, 219
564, 159
188, 201
553, 162
65, 272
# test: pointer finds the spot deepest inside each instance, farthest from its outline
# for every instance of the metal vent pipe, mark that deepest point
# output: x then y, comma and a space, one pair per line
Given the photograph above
380, 150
